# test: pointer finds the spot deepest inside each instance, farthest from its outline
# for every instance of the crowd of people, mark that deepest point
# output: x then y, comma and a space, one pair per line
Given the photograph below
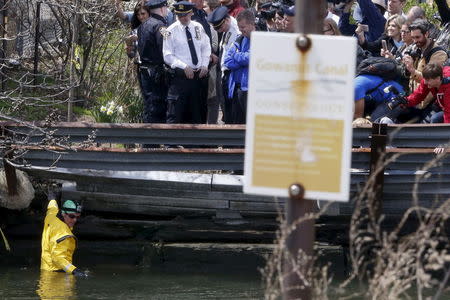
192, 58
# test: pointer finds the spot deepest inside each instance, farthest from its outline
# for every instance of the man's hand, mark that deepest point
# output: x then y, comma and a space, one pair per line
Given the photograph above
189, 72
79, 273
54, 192
213, 59
203, 72
439, 150
386, 53
131, 39
360, 34
409, 63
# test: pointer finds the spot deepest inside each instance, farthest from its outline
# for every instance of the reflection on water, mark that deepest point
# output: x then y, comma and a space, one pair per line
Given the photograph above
129, 282
56, 285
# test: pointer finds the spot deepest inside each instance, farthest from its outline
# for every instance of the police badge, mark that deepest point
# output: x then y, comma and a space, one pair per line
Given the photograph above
197, 32
164, 32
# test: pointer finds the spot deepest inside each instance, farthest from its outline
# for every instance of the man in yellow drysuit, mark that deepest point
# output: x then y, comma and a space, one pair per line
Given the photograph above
58, 242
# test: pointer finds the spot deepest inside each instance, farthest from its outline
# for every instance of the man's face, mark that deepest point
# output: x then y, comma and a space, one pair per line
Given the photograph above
279, 22
289, 23
433, 82
395, 6
164, 11
246, 28
406, 34
71, 219
185, 19
419, 38
225, 26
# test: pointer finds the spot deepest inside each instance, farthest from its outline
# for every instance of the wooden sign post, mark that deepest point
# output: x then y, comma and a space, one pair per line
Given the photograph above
299, 126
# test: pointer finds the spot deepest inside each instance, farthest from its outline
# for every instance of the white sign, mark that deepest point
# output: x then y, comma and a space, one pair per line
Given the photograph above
299, 116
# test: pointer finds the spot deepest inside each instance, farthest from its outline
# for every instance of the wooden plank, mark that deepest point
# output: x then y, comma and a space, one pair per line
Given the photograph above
227, 183
146, 189
97, 199
155, 179
255, 206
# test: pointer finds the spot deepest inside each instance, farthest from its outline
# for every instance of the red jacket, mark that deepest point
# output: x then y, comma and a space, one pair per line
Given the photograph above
442, 94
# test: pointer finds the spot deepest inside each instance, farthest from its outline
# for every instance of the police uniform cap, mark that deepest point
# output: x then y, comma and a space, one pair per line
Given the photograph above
218, 16
276, 5
266, 5
289, 11
183, 7
155, 3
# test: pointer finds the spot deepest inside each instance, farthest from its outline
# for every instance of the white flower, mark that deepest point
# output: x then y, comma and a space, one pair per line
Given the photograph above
111, 105
109, 112
103, 109
120, 109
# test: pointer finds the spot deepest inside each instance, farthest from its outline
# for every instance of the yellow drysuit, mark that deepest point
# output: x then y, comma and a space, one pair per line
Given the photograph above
58, 242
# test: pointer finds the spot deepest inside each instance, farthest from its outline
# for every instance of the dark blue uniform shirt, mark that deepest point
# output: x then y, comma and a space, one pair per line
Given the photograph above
150, 39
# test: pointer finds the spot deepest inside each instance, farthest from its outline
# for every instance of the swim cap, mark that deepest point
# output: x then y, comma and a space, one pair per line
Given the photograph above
70, 206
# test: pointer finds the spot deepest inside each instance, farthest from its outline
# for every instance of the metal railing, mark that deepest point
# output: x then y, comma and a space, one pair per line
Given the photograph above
413, 143
400, 135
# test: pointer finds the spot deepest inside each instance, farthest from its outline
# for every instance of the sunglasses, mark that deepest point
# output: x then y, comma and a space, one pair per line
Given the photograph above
73, 216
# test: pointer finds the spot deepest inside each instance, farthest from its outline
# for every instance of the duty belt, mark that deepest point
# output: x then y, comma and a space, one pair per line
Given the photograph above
150, 65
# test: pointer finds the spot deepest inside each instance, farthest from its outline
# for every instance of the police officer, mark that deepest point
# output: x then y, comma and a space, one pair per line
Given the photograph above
224, 23
153, 79
187, 51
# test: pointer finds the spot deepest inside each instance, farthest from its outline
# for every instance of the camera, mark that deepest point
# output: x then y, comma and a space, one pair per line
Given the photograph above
413, 52
268, 14
398, 99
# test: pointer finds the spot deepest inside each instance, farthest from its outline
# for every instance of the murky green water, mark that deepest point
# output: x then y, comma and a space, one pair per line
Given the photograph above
121, 270
129, 282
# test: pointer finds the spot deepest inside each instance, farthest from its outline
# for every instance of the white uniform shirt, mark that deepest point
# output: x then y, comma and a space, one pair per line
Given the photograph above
176, 49
227, 41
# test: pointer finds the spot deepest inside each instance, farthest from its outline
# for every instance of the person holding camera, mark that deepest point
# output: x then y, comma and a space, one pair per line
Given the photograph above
408, 44
289, 19
428, 51
435, 80
372, 94
389, 41
265, 15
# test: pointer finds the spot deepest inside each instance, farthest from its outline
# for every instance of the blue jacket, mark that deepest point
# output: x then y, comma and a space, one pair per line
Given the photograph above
371, 16
237, 60
366, 83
